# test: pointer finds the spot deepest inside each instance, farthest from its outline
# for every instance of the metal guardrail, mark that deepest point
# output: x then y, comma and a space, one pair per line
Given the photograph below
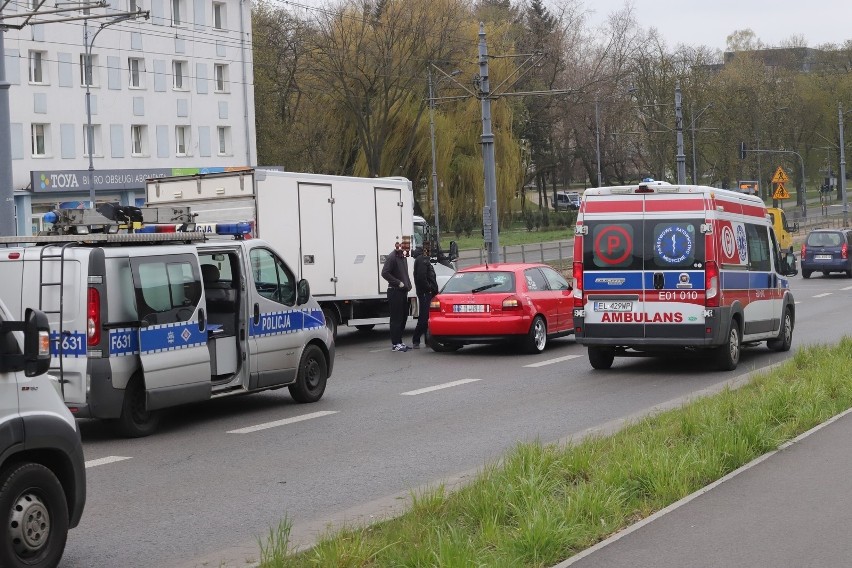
560, 253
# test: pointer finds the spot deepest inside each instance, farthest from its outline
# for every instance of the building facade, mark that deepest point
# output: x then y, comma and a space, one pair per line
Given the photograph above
169, 95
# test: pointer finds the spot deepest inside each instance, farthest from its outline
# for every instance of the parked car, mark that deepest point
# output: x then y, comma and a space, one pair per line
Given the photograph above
826, 251
520, 303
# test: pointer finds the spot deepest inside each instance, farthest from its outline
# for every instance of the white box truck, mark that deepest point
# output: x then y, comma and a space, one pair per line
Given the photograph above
335, 231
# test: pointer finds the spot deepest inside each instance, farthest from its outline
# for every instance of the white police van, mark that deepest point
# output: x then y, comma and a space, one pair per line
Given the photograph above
144, 321
42, 472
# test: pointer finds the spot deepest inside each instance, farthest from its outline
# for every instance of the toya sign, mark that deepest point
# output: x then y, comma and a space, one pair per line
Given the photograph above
105, 180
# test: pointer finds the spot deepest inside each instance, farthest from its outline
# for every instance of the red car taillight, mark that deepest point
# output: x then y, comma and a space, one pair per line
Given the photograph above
804, 250
434, 306
511, 303
844, 251
93, 324
577, 274
711, 284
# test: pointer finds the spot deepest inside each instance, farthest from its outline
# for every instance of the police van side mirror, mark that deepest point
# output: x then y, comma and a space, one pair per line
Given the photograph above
36, 357
303, 292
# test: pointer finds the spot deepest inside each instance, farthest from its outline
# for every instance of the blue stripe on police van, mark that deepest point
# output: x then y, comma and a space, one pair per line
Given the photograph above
73, 344
123, 342
171, 337
289, 321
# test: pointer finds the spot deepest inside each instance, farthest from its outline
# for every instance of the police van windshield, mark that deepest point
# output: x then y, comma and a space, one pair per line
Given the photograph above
649, 244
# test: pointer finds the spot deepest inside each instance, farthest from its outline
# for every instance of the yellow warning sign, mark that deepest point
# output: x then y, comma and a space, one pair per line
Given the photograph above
780, 176
780, 192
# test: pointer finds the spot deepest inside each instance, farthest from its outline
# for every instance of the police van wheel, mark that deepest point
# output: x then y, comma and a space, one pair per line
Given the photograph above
331, 321
36, 514
312, 376
601, 357
785, 335
728, 355
536, 338
136, 421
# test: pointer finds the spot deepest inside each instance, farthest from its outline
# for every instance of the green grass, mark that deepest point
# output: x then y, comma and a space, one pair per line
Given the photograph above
543, 502
512, 236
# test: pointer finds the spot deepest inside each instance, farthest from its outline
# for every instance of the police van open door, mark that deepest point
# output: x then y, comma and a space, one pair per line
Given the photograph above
172, 329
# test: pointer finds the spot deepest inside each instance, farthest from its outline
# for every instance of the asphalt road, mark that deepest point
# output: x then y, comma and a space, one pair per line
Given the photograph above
218, 476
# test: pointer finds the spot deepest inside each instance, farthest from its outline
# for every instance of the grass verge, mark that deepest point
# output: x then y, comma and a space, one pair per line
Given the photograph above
544, 502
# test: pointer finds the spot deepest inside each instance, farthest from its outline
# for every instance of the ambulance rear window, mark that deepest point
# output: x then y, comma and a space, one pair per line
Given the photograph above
649, 244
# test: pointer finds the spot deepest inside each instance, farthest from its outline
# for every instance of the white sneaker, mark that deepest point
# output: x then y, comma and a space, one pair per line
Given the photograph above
401, 347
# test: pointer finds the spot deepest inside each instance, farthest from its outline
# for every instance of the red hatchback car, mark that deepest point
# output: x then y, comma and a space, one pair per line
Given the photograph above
517, 302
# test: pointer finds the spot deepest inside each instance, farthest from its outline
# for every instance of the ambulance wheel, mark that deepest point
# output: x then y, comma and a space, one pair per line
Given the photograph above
728, 355
785, 334
311, 377
331, 321
536, 337
601, 358
806, 274
136, 421
36, 515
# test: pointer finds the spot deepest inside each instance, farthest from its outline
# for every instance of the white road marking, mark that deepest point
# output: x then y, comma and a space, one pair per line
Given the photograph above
797, 302
823, 295
104, 461
380, 350
264, 426
847, 288
439, 387
552, 361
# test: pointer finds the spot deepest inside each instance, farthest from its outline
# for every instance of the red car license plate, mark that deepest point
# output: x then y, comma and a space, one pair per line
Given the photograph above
470, 308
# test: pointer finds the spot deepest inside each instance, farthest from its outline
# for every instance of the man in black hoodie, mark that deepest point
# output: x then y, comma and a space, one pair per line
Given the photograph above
426, 286
395, 271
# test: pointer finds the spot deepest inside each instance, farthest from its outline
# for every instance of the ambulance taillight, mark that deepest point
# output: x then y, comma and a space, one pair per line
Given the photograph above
577, 274
93, 323
711, 284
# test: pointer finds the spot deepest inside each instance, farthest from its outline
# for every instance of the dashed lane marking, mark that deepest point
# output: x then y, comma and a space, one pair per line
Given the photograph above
823, 295
847, 288
552, 361
284, 422
439, 387
104, 461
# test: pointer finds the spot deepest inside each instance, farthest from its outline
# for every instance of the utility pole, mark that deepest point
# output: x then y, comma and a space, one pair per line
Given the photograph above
489, 211
681, 157
8, 227
842, 166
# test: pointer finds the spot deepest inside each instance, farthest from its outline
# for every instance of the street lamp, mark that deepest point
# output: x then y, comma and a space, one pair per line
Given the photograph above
434, 162
842, 165
88, 75
692, 127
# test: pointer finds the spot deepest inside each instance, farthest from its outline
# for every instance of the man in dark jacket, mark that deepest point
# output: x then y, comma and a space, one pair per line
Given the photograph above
395, 271
426, 286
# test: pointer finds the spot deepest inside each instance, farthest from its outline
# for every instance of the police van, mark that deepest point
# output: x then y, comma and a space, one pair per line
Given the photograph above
42, 472
159, 317
661, 267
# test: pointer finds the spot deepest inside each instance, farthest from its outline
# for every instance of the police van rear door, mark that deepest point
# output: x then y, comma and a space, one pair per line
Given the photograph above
173, 329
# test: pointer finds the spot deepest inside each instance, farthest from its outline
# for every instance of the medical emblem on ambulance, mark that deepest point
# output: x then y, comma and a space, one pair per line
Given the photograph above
742, 244
674, 244
683, 281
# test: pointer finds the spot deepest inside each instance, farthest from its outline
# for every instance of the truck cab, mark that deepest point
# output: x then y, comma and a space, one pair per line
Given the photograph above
42, 472
783, 230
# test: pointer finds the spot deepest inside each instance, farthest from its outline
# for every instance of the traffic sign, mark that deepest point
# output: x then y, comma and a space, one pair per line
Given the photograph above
781, 192
780, 176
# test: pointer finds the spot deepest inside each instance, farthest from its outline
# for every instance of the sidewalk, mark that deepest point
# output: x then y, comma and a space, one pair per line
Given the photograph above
790, 508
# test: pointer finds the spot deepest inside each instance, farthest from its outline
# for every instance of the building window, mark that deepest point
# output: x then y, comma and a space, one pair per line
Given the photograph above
220, 72
87, 70
139, 140
182, 140
224, 140
39, 140
37, 74
96, 143
219, 13
135, 72
180, 82
177, 13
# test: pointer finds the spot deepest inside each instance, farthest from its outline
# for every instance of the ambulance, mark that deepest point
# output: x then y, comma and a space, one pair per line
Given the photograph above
161, 317
661, 268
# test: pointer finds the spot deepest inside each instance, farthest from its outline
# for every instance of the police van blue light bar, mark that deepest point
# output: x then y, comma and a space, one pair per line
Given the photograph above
239, 228
51, 217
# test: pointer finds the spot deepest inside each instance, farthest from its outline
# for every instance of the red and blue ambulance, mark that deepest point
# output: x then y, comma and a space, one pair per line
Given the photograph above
661, 267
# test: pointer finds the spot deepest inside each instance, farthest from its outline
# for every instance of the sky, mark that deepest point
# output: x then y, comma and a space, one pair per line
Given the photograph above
709, 22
